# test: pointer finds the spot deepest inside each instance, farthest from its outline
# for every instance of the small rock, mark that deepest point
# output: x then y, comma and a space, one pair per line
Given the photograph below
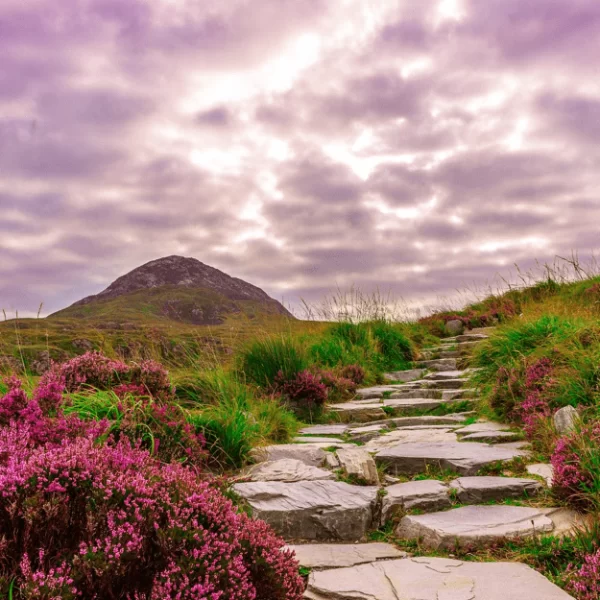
455, 327
542, 470
428, 495
360, 464
565, 419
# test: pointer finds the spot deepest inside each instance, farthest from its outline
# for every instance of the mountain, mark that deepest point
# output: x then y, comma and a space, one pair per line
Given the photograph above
179, 289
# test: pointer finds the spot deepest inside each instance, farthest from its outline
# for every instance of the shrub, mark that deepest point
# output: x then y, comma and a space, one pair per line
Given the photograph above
584, 580
352, 334
354, 373
265, 360
576, 462
82, 520
94, 370
306, 392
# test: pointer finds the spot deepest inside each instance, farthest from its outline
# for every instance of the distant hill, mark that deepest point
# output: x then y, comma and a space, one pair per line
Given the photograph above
179, 289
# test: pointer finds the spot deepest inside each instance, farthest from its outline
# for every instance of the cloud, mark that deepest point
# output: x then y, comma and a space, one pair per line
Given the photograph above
299, 145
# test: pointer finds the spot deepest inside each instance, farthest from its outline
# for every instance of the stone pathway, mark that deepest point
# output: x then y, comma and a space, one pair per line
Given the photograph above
324, 493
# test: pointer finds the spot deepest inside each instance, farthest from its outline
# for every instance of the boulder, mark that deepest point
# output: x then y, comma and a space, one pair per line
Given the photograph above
336, 556
312, 510
287, 470
455, 327
565, 419
432, 579
466, 459
474, 525
358, 463
477, 490
428, 495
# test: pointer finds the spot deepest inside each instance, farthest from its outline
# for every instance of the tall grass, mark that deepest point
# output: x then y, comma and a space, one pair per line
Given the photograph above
264, 360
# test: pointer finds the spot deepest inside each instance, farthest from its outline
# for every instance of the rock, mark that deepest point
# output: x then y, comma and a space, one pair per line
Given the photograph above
439, 375
438, 364
474, 525
335, 556
83, 344
407, 436
432, 579
427, 495
331, 461
409, 375
466, 459
41, 363
455, 327
358, 463
366, 433
492, 437
477, 490
482, 426
309, 454
312, 510
565, 419
452, 420
313, 439
324, 430
373, 392
567, 521
349, 412
462, 394
404, 405
287, 470
542, 470
471, 337
435, 394
10, 365
446, 384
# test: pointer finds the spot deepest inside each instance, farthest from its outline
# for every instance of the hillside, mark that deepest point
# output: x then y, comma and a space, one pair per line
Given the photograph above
176, 288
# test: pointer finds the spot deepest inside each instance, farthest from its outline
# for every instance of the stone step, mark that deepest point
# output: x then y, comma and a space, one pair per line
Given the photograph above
337, 556
477, 525
356, 412
471, 337
315, 439
312, 510
466, 459
409, 375
337, 429
427, 495
445, 384
287, 470
438, 375
477, 490
438, 364
403, 405
430, 578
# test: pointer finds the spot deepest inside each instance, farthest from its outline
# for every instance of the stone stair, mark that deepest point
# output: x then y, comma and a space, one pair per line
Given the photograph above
325, 493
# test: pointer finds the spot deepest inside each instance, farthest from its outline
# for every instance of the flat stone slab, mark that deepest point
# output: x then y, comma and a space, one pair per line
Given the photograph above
366, 433
309, 454
373, 392
407, 436
428, 495
438, 364
466, 459
445, 384
312, 510
471, 337
474, 525
452, 420
462, 393
407, 404
420, 393
314, 439
542, 470
287, 470
354, 412
325, 430
336, 556
492, 437
432, 579
477, 490
454, 374
409, 375
482, 426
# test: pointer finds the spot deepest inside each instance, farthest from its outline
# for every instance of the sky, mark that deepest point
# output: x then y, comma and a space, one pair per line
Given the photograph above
415, 146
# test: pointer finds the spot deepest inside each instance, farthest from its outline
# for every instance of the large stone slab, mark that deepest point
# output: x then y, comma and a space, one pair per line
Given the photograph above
309, 454
471, 337
439, 375
438, 364
287, 470
337, 429
358, 463
354, 412
367, 432
420, 393
315, 439
312, 510
336, 556
474, 525
432, 579
409, 375
445, 384
482, 426
407, 436
428, 495
404, 405
492, 437
477, 490
466, 459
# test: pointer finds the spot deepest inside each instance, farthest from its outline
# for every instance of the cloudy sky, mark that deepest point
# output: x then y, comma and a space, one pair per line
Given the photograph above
413, 145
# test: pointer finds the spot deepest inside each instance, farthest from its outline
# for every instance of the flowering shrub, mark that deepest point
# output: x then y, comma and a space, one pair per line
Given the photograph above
584, 581
94, 370
535, 407
354, 372
306, 392
84, 520
338, 387
576, 462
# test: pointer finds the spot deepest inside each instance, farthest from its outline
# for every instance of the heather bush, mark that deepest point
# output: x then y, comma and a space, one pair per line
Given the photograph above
93, 521
306, 393
338, 387
264, 360
354, 373
576, 462
94, 370
584, 578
